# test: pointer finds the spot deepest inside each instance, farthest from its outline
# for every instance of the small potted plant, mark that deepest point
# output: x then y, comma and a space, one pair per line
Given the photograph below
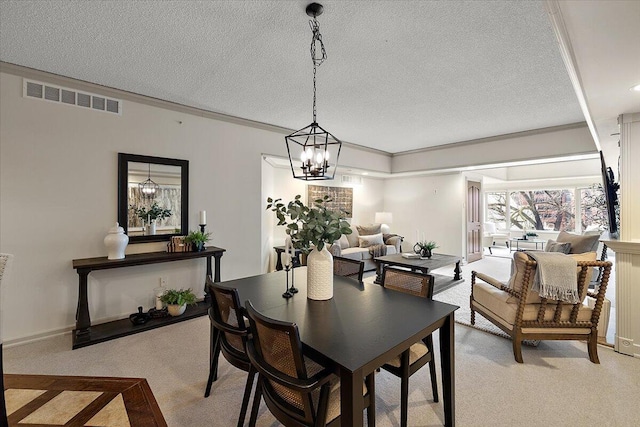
424, 248
177, 300
197, 240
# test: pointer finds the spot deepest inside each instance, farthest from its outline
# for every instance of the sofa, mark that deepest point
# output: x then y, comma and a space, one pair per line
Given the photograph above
358, 245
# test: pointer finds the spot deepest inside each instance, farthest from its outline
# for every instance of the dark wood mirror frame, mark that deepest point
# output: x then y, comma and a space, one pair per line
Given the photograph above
123, 201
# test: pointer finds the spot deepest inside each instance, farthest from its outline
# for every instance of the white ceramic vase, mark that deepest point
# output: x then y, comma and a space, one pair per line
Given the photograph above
175, 309
151, 228
116, 242
320, 274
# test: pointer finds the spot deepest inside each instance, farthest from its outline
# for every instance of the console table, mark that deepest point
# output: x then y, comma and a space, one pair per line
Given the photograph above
85, 334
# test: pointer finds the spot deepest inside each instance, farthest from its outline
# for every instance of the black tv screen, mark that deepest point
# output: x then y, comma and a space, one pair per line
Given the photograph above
611, 194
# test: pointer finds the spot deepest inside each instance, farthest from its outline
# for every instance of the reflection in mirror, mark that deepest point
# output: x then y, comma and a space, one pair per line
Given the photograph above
153, 212
152, 197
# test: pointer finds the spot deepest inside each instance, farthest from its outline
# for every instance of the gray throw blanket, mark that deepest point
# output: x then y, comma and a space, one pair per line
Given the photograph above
556, 276
378, 250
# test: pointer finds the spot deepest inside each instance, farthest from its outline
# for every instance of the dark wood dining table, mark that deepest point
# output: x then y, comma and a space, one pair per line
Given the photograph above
359, 329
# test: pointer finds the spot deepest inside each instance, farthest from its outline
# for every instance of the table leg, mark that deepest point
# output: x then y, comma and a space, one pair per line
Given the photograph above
457, 272
216, 277
351, 400
207, 297
379, 268
278, 260
447, 360
83, 320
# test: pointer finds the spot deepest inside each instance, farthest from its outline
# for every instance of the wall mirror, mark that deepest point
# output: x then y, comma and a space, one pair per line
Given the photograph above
153, 197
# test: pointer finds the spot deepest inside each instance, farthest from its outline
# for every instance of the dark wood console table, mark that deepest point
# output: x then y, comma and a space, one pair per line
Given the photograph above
85, 334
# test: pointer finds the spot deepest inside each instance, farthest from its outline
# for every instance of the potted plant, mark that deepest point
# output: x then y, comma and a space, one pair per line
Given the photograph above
151, 215
424, 248
197, 240
177, 300
311, 228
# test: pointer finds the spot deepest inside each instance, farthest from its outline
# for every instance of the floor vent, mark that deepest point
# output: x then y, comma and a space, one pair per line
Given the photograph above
47, 92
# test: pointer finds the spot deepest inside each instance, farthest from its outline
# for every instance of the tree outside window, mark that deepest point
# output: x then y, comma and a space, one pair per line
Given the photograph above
543, 210
593, 215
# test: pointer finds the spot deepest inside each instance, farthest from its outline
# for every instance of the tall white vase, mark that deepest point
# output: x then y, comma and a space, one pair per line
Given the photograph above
320, 274
151, 228
116, 242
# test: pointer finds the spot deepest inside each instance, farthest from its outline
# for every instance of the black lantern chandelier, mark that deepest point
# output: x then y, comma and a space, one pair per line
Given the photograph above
315, 149
148, 188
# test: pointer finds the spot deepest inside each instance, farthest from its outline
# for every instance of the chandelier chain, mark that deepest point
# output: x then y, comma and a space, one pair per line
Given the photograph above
317, 61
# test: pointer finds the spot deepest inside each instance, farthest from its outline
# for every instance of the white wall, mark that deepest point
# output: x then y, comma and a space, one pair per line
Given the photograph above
368, 199
432, 204
58, 188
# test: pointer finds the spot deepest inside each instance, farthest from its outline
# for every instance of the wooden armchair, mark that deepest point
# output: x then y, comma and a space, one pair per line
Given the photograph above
524, 315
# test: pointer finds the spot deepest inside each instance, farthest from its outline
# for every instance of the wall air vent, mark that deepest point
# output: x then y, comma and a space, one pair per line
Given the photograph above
352, 179
52, 93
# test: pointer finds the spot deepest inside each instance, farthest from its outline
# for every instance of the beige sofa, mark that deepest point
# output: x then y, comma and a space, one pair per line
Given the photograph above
357, 244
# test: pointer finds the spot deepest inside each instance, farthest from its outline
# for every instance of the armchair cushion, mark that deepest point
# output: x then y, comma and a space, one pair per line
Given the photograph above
579, 243
505, 307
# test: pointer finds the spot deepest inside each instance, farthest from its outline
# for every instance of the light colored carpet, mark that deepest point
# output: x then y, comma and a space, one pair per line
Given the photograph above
491, 388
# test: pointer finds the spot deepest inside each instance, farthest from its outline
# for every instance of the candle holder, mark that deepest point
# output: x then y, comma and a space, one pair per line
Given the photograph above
202, 226
287, 294
293, 289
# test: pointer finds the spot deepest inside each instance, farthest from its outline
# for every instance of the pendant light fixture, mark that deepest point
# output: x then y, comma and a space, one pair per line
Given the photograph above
148, 188
313, 152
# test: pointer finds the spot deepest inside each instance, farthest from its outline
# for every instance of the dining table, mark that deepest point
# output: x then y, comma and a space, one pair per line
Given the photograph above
358, 330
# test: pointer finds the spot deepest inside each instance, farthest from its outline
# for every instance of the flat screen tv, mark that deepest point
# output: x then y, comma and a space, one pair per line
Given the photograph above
611, 195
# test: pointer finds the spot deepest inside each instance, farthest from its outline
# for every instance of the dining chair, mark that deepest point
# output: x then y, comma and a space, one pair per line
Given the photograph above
229, 331
5, 259
347, 267
420, 353
297, 390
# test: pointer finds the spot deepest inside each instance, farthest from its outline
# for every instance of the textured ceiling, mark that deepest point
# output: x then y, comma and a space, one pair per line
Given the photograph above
400, 75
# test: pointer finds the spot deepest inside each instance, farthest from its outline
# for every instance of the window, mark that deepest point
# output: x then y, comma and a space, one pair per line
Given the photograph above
542, 210
497, 209
593, 208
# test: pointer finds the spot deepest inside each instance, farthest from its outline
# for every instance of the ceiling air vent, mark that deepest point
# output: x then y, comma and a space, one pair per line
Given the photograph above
351, 179
47, 92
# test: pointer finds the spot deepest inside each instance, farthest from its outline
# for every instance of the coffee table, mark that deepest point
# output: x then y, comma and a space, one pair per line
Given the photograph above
515, 244
424, 266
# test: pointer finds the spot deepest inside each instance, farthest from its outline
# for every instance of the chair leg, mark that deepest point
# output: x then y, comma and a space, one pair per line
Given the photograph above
370, 380
256, 403
404, 389
213, 359
247, 394
592, 346
490, 250
517, 348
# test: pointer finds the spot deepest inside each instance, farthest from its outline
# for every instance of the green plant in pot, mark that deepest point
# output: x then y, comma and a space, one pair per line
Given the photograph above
197, 239
151, 215
425, 248
177, 300
311, 229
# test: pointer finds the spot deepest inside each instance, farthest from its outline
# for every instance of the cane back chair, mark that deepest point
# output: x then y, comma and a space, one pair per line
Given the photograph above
228, 335
419, 354
346, 267
297, 390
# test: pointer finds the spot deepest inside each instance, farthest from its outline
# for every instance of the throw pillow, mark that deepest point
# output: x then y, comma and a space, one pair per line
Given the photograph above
518, 266
368, 230
579, 243
343, 242
353, 238
553, 246
371, 240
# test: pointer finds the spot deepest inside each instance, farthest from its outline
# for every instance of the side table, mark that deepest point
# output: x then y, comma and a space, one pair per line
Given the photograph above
279, 251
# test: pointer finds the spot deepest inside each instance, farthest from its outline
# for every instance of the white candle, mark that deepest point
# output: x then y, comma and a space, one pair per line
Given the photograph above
287, 249
203, 217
